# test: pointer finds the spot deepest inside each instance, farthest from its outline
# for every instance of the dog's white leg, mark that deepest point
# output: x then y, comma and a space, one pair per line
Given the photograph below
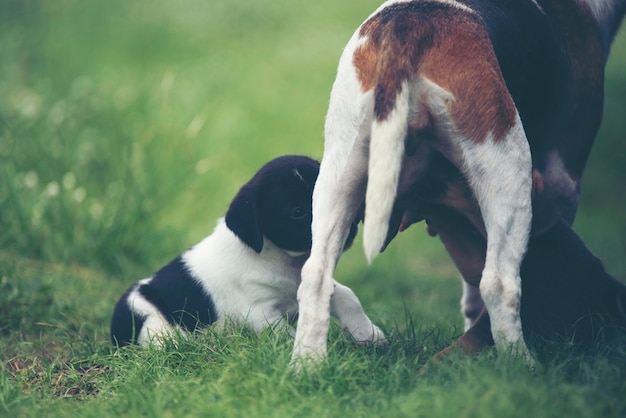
499, 173
338, 195
336, 200
345, 306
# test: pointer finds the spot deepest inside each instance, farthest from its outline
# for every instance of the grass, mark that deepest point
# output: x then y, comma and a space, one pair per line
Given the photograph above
125, 130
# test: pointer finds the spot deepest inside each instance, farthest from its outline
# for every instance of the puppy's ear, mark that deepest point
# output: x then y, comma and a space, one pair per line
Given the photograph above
242, 218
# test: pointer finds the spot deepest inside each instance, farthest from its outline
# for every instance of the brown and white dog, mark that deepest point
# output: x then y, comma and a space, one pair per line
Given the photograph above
447, 106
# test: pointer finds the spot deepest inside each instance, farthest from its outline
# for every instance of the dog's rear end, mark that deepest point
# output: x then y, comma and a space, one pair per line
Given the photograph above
398, 83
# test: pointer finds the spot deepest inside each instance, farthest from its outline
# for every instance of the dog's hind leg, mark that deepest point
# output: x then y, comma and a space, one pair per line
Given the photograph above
337, 197
488, 145
479, 130
499, 173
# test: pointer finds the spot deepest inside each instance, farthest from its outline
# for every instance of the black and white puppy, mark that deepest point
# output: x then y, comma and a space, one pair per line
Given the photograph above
246, 271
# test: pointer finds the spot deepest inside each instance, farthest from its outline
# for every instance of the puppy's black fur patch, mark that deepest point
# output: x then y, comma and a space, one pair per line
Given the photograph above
276, 203
125, 324
177, 296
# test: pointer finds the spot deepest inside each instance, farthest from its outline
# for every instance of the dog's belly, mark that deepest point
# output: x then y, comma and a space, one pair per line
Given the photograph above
430, 184
438, 193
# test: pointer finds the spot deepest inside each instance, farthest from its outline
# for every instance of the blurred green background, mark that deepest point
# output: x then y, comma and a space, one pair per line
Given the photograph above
127, 126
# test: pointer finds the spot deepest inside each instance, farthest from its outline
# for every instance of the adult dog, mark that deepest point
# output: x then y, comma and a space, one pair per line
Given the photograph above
247, 270
451, 104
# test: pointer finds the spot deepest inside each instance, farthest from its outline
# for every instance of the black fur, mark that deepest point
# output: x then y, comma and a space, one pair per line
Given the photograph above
179, 297
174, 292
125, 324
276, 203
566, 291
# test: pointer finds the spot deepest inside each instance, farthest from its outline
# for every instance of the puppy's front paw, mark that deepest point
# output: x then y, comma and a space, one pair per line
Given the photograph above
367, 334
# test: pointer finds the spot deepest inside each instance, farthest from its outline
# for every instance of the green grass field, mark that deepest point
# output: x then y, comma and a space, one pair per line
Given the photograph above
125, 129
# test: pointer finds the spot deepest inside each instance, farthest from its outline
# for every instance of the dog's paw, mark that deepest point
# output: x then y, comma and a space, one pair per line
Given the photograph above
367, 335
305, 360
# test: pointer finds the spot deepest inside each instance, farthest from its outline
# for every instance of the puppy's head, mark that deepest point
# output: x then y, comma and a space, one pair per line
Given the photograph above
276, 204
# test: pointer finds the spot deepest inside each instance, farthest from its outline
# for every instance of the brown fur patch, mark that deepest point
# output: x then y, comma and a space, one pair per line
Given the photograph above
396, 39
465, 65
364, 61
449, 47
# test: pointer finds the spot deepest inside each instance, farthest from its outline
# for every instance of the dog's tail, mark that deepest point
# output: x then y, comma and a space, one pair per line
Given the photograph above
385, 163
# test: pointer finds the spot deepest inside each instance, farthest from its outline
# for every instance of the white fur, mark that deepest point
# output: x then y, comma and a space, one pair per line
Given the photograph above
155, 327
338, 192
500, 177
387, 149
258, 289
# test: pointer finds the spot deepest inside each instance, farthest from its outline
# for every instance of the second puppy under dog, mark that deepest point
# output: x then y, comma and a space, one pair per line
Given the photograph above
247, 270
568, 296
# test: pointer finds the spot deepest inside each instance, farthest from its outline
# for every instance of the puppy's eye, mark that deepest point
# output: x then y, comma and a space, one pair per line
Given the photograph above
298, 212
